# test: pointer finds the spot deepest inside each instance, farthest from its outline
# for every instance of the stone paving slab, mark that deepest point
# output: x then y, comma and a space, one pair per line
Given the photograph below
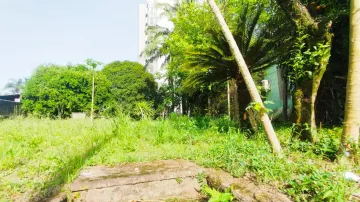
159, 180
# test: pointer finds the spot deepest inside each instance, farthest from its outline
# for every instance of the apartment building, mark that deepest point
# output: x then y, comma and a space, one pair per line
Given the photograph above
152, 14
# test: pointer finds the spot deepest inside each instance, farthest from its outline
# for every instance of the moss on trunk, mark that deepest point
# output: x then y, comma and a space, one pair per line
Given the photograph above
304, 99
302, 111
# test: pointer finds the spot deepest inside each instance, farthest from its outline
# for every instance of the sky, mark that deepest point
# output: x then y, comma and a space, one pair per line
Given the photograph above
35, 32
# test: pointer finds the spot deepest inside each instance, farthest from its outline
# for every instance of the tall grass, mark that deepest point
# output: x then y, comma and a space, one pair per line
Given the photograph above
38, 155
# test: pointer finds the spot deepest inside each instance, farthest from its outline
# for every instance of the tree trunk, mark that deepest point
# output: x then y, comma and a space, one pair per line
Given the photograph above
304, 99
235, 101
92, 97
171, 85
269, 130
228, 98
350, 134
306, 90
184, 105
285, 81
244, 101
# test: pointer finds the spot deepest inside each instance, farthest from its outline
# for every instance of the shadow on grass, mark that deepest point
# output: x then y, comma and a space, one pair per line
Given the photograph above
53, 186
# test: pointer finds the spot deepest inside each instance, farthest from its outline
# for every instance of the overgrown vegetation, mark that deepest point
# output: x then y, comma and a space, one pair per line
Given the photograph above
38, 155
303, 38
57, 91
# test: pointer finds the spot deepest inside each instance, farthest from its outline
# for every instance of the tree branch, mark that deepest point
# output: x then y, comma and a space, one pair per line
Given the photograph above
296, 11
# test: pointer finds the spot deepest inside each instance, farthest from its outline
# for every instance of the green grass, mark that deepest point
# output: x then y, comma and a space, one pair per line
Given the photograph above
39, 155
36, 155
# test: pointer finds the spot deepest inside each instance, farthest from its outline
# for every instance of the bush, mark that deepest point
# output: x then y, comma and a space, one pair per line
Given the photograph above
130, 84
57, 91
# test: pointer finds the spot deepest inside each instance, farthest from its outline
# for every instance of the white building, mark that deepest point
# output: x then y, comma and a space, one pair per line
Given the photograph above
142, 37
152, 14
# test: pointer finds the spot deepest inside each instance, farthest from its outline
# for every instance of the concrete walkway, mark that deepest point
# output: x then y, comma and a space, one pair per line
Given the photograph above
160, 180
170, 180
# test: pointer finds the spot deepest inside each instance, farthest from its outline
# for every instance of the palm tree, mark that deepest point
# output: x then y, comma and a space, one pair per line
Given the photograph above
157, 35
15, 86
154, 49
352, 109
269, 130
262, 44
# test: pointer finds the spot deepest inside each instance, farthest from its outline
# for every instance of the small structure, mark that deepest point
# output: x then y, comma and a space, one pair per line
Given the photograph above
78, 115
10, 105
277, 92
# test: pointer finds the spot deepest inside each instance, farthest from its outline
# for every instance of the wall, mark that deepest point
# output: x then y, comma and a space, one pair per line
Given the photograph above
275, 94
8, 108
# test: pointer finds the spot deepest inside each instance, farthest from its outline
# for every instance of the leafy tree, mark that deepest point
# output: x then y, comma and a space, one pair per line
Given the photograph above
313, 22
92, 64
57, 91
15, 86
130, 83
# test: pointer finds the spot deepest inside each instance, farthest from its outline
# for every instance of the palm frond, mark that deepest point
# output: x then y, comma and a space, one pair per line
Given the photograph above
261, 44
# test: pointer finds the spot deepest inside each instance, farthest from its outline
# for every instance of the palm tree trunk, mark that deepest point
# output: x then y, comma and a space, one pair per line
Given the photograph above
269, 130
352, 109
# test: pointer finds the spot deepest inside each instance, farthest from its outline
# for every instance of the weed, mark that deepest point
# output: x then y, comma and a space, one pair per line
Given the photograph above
38, 155
216, 196
179, 180
318, 186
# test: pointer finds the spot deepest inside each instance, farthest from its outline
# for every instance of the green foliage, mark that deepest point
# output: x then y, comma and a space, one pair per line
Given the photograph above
216, 196
33, 151
198, 47
199, 57
37, 155
304, 60
144, 109
259, 107
92, 64
318, 186
326, 146
130, 83
57, 91
221, 124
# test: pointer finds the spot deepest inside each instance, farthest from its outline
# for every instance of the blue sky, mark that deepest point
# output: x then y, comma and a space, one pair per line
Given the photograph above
34, 32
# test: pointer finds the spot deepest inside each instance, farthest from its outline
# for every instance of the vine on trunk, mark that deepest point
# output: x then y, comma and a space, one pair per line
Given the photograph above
307, 64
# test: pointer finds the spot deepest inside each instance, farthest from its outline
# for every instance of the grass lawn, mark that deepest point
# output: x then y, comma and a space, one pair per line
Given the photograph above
39, 155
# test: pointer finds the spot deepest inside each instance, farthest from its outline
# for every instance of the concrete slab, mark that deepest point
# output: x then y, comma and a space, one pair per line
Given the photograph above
159, 180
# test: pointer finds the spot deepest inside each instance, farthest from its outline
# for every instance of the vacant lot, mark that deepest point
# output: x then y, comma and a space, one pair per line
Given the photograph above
38, 156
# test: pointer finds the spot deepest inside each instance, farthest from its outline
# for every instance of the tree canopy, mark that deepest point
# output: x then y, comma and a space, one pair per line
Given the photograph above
130, 83
57, 91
